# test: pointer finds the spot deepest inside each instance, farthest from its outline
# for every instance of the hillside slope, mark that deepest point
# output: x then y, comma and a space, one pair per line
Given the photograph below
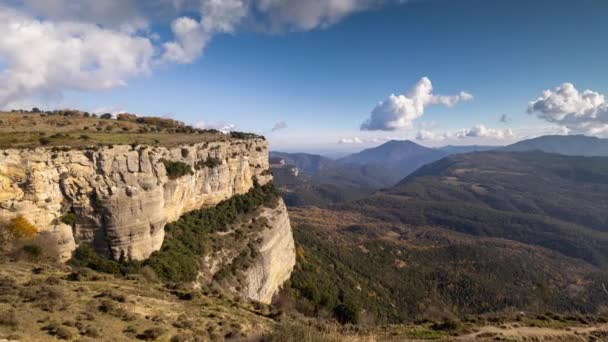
572, 145
474, 233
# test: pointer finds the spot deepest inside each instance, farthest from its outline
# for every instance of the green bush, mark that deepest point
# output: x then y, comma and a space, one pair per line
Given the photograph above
34, 251
346, 313
86, 256
44, 141
70, 219
176, 169
210, 162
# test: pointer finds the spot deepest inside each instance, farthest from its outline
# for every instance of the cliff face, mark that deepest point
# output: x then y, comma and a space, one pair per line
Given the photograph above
122, 196
276, 259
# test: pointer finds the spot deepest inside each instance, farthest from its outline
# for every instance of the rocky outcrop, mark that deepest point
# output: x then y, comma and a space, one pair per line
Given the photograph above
253, 258
122, 196
276, 258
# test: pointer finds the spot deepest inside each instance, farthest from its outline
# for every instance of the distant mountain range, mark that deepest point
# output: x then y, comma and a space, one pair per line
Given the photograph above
383, 166
571, 145
454, 149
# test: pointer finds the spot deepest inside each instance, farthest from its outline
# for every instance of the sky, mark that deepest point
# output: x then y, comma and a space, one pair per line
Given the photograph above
318, 76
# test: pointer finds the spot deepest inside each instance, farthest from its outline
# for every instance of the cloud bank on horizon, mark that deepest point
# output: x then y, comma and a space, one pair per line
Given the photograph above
52, 46
398, 112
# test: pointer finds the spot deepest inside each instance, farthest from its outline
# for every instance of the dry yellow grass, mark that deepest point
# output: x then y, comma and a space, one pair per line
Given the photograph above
24, 130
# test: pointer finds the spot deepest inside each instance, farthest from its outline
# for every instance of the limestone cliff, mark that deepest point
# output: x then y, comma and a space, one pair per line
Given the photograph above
276, 259
122, 195
254, 257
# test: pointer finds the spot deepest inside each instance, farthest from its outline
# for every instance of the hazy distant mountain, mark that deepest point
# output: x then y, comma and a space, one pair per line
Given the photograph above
397, 159
573, 145
453, 149
305, 162
394, 151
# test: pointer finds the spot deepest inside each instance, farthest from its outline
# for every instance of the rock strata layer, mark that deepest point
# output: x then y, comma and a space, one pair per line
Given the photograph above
122, 196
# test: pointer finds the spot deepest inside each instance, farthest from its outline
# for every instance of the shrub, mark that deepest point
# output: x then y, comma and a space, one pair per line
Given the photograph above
210, 162
245, 136
176, 169
19, 227
44, 141
346, 313
9, 319
54, 329
446, 325
151, 334
85, 256
70, 219
106, 116
32, 250
126, 117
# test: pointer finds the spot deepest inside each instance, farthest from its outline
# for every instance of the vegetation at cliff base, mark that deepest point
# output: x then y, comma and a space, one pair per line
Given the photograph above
187, 239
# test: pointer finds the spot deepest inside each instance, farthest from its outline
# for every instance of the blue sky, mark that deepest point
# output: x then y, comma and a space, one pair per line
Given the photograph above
324, 82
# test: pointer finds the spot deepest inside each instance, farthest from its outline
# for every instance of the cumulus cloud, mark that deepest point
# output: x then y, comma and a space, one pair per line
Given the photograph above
481, 131
48, 47
372, 140
279, 126
310, 14
399, 111
125, 15
43, 58
580, 112
224, 127
477, 131
355, 140
426, 135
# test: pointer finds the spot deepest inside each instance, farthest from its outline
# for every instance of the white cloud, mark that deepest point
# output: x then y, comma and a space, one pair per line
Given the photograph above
190, 39
309, 14
354, 140
125, 15
399, 111
426, 135
224, 127
50, 46
477, 131
368, 140
43, 58
580, 112
279, 126
481, 131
